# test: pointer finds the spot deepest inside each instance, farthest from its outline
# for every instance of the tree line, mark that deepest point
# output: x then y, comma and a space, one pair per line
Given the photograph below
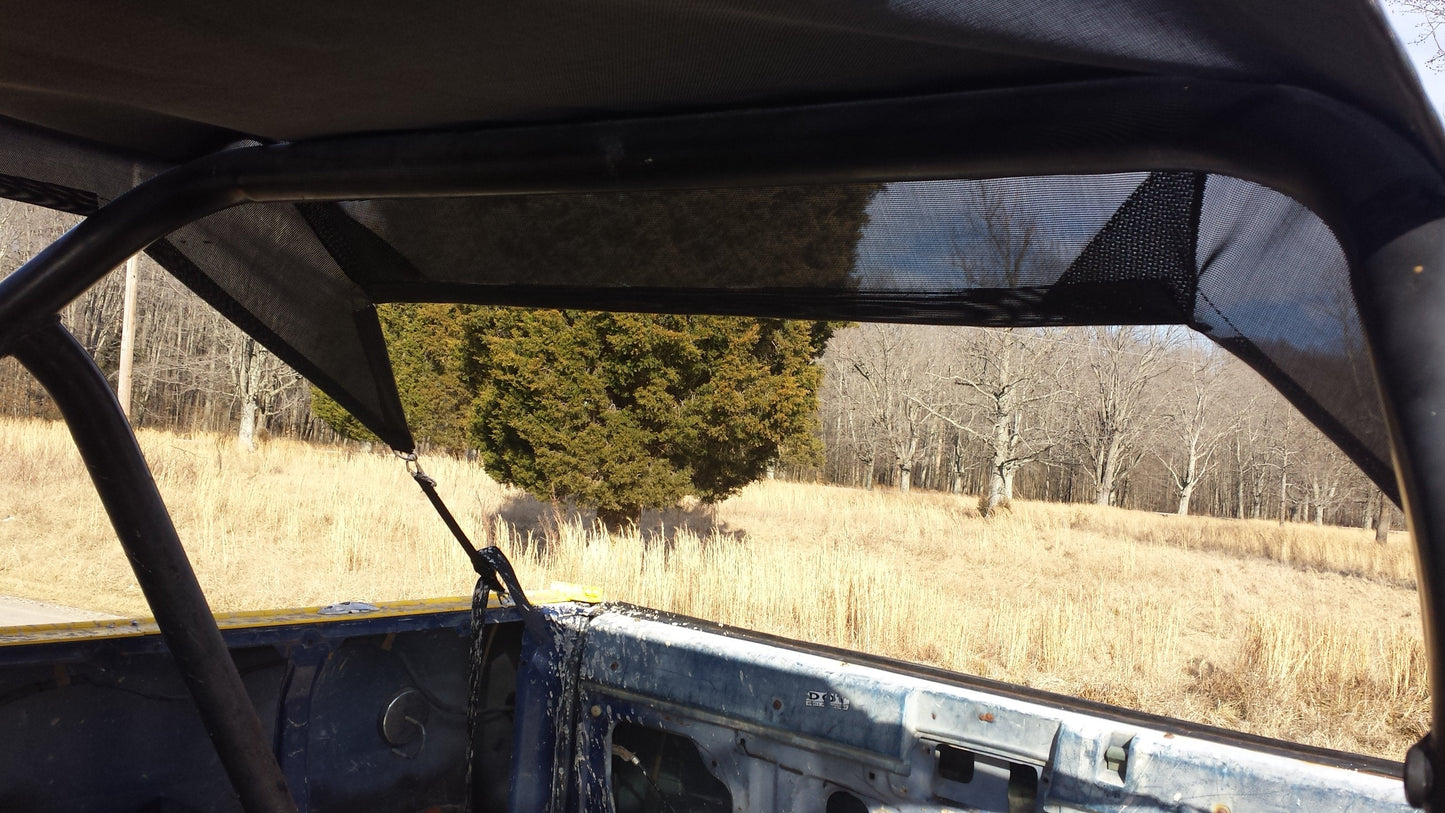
193, 370
1140, 417
1148, 418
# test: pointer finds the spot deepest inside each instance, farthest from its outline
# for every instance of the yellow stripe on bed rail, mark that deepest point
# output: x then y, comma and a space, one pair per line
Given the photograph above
558, 593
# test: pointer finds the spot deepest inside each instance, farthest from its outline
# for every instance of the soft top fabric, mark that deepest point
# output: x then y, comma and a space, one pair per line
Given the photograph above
95, 99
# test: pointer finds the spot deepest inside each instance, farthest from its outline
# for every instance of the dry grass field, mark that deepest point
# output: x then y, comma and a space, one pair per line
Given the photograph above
1310, 634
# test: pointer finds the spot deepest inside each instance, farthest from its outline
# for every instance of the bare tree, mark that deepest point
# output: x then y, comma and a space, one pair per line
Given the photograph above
1000, 245
1152, 421
1384, 518
892, 386
1005, 373
1430, 27
1323, 470
1195, 427
1243, 448
1284, 444
192, 369
1122, 368
261, 379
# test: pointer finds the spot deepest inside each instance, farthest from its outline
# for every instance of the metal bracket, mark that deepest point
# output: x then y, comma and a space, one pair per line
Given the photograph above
403, 722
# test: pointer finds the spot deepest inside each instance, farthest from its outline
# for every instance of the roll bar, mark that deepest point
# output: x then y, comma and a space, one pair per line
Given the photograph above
1368, 182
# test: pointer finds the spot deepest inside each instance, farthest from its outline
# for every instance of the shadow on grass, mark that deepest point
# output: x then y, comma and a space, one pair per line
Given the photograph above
542, 521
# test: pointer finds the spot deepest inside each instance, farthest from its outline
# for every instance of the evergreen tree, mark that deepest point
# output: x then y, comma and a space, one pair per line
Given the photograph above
622, 411
423, 342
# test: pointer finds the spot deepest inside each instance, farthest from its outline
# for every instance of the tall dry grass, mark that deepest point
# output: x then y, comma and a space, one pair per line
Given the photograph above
1299, 632
1337, 550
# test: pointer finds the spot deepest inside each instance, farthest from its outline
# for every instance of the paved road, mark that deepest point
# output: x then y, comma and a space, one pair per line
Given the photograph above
17, 611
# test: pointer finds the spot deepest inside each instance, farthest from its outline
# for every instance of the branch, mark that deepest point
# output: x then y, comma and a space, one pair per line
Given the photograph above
935, 413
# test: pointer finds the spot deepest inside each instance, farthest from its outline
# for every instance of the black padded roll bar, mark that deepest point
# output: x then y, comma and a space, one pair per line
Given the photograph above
129, 494
1401, 294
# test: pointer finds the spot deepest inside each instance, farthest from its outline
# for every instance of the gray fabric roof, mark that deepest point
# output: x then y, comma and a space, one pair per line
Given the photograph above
96, 97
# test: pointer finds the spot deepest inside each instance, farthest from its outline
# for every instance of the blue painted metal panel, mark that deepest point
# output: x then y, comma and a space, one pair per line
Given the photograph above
785, 729
833, 707
547, 711
99, 721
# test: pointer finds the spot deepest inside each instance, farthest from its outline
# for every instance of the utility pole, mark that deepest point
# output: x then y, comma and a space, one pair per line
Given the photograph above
127, 323
127, 337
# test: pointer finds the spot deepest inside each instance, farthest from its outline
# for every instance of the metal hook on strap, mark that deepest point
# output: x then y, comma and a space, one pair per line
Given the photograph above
413, 466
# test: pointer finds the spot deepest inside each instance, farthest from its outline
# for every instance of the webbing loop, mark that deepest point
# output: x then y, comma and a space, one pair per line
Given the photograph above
490, 564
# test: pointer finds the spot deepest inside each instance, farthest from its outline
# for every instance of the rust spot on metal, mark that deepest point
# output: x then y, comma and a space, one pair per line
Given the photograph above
613, 666
777, 704
987, 717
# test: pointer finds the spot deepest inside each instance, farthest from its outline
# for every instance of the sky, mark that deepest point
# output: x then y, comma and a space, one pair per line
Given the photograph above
1407, 29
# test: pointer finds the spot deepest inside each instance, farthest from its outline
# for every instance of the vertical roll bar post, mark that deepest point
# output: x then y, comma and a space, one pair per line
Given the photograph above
131, 499
1401, 293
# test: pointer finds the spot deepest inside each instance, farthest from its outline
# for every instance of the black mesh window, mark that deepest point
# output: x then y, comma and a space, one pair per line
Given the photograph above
1249, 267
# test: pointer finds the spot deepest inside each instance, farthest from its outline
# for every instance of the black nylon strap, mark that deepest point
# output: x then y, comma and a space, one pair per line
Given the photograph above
475, 678
429, 488
494, 573
491, 565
